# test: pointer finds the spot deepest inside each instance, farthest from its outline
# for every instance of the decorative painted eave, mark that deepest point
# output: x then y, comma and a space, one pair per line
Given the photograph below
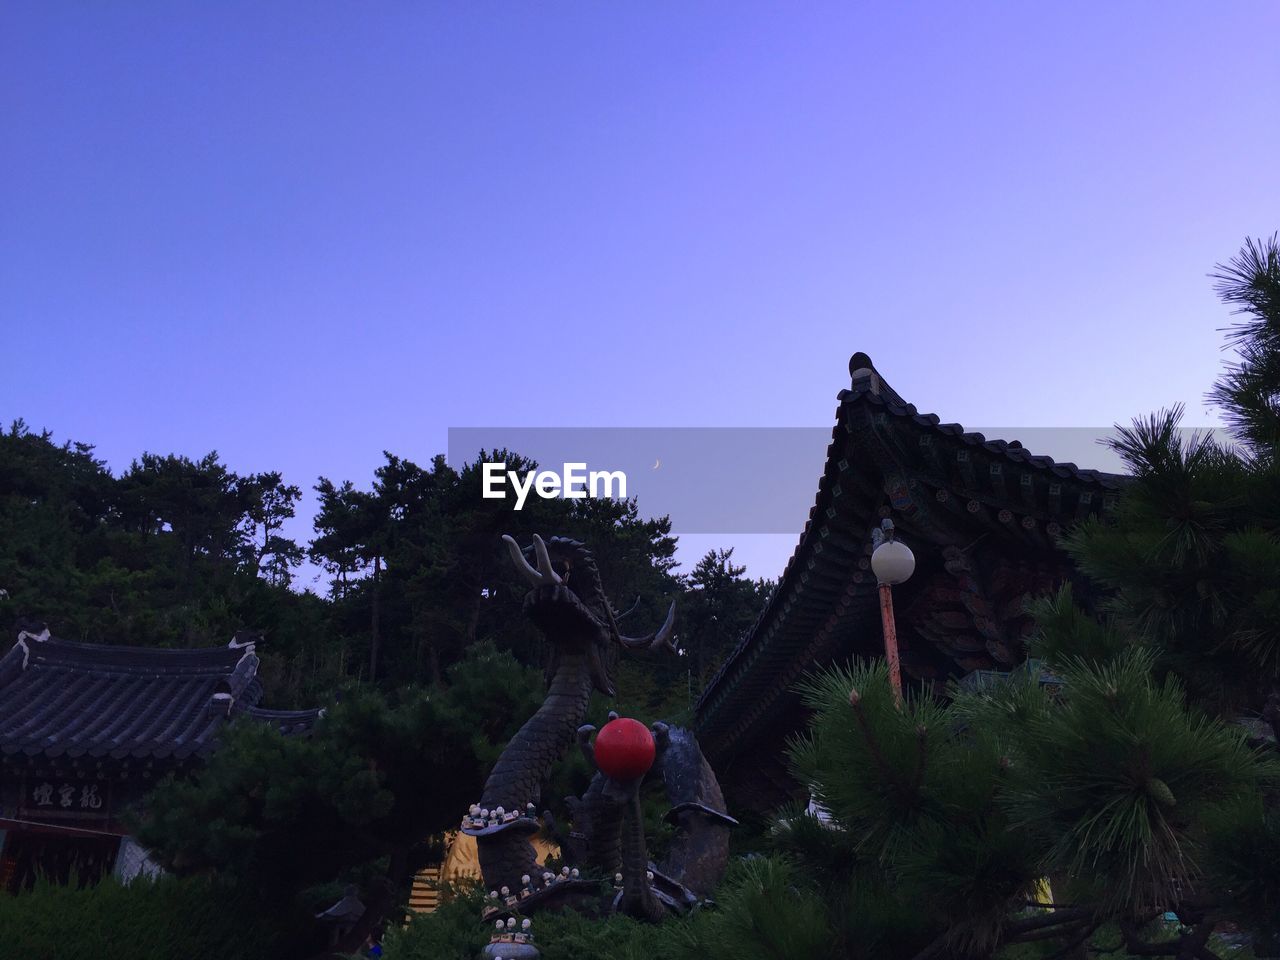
941, 484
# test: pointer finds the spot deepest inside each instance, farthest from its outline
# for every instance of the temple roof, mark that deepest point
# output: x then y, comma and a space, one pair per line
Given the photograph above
63, 699
945, 488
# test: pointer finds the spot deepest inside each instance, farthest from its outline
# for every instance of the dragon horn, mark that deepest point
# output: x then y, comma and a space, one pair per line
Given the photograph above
543, 574
653, 641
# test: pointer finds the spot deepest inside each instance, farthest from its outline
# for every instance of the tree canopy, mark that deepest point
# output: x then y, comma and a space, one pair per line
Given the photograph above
419, 650
186, 552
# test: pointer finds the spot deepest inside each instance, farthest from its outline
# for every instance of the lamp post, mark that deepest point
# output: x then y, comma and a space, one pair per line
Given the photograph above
892, 562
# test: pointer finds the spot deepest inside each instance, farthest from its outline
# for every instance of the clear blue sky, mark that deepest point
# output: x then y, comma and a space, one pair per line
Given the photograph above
301, 233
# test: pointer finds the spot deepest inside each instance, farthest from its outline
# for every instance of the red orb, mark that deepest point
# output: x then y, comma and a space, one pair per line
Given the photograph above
624, 749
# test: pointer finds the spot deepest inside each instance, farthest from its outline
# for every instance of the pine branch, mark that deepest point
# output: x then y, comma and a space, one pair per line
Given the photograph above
1066, 915
922, 752
873, 745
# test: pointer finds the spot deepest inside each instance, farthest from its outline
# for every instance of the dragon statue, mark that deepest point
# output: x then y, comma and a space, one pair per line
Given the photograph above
606, 843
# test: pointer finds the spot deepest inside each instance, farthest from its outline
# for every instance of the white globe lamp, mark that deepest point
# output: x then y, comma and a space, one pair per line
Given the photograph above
892, 562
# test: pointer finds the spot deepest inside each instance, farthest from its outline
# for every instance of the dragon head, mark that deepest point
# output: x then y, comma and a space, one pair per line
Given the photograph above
568, 603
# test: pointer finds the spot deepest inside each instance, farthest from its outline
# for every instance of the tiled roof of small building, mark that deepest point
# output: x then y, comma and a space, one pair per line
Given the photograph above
64, 699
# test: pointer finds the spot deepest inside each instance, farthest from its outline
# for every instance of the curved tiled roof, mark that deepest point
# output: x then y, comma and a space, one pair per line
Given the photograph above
821, 592
288, 722
64, 699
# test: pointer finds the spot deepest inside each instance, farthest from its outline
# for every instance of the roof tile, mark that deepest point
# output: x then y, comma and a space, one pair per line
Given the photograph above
59, 698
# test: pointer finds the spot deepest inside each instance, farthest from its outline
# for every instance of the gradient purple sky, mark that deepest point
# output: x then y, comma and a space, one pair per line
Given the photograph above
301, 233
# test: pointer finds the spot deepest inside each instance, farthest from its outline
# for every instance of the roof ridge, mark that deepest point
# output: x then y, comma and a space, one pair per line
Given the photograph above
106, 657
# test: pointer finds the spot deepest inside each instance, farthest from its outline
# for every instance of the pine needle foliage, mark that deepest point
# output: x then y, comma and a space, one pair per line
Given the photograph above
1190, 562
1247, 391
1118, 781
946, 817
1065, 630
1244, 851
914, 798
863, 760
868, 913
771, 912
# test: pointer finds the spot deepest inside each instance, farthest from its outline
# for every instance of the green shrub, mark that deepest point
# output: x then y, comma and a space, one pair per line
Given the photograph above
764, 913
164, 919
452, 932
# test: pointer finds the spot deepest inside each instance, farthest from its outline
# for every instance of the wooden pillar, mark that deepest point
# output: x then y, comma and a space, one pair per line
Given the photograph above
891, 642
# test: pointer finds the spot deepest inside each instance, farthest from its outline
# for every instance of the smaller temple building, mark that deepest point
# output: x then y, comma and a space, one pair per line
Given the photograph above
87, 729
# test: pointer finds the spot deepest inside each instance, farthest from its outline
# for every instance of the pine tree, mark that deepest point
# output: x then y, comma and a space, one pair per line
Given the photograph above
1191, 565
1123, 773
